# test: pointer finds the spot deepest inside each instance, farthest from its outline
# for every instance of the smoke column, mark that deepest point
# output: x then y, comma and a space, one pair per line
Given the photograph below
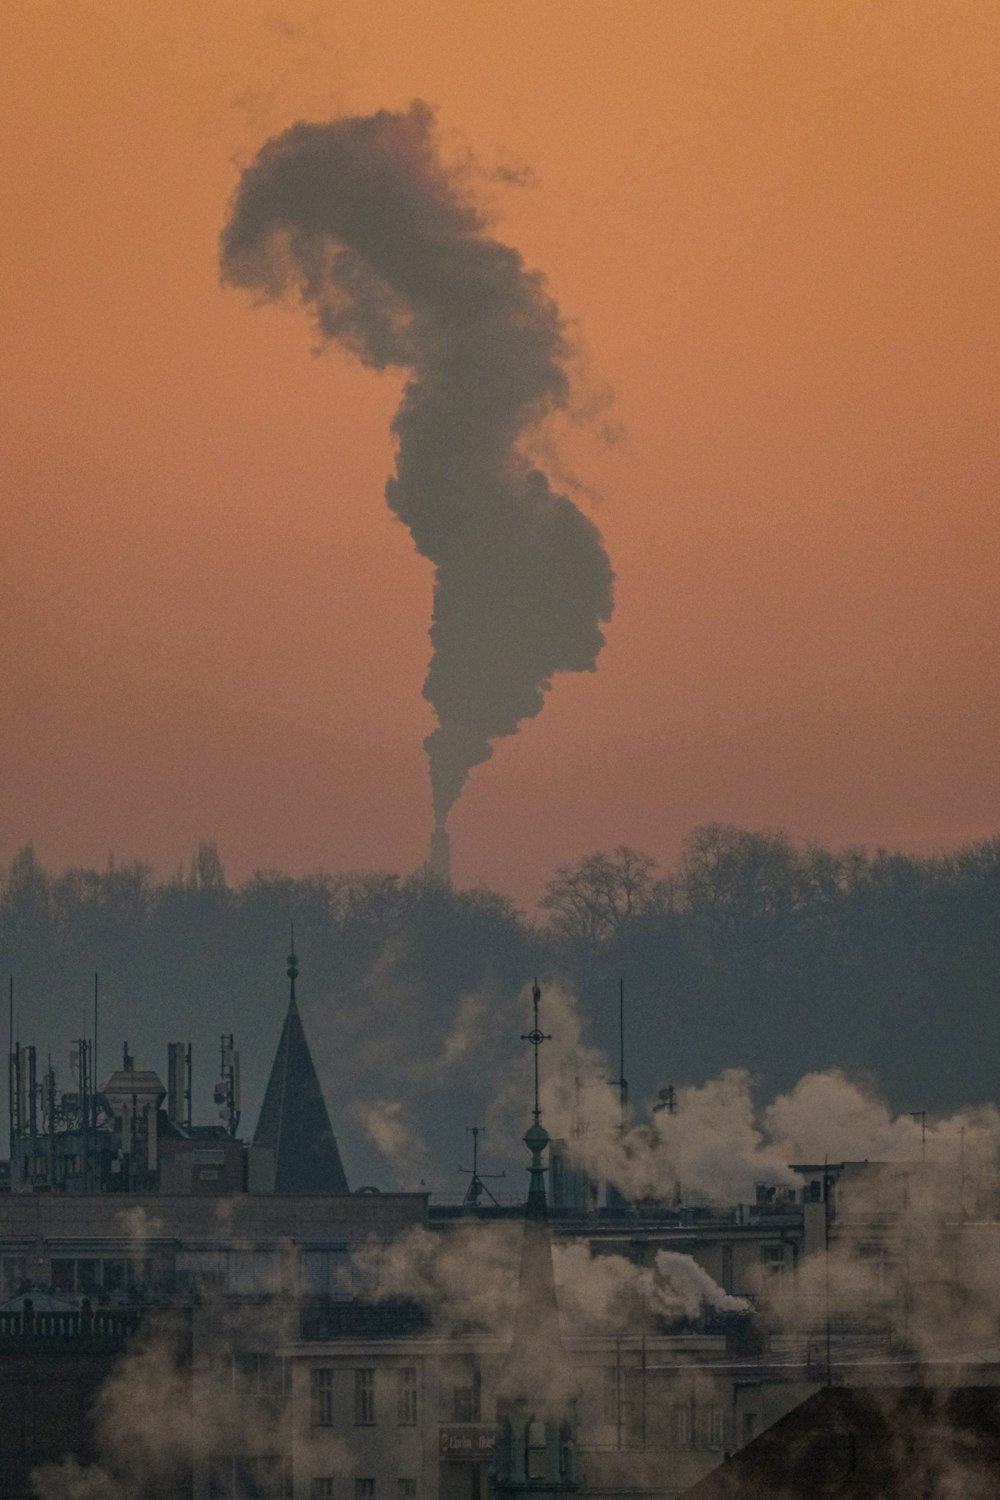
389, 252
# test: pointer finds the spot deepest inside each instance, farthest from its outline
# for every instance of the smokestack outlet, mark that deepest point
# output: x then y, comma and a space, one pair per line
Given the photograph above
439, 857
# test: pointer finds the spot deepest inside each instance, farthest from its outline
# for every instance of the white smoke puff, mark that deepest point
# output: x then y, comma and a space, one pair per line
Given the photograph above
465, 1278
830, 1116
386, 247
392, 1129
610, 1294
718, 1145
600, 1292
712, 1148
682, 1287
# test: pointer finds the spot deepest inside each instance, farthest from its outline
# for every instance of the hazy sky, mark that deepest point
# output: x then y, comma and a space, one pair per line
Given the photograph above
774, 227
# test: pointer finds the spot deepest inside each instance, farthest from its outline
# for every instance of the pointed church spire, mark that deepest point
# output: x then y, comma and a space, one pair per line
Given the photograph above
294, 1126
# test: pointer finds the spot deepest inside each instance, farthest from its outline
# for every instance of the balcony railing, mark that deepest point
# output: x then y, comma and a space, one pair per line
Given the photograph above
104, 1323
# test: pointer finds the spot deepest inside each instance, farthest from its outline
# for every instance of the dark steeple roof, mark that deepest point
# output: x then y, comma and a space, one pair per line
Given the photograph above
294, 1122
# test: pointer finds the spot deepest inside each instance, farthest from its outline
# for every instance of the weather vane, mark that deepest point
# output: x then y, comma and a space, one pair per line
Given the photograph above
536, 1037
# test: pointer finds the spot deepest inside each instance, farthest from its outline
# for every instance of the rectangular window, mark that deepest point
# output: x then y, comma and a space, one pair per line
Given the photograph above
364, 1489
258, 1374
220, 1477
201, 1268
88, 1275
321, 1488
609, 1394
63, 1275
328, 1272
406, 1489
322, 1398
466, 1393
116, 1275
749, 1426
271, 1375
15, 1273
406, 1397
364, 1400
680, 1426
253, 1273
264, 1477
245, 1374
716, 1427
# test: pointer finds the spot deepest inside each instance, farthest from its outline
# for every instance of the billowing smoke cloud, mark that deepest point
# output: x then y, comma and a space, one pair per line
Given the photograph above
386, 247
468, 1278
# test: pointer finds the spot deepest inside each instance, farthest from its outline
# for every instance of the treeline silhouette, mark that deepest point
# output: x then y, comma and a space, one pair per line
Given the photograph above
753, 951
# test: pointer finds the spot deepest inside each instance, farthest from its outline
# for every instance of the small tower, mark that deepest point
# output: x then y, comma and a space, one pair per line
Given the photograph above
439, 856
294, 1147
536, 1392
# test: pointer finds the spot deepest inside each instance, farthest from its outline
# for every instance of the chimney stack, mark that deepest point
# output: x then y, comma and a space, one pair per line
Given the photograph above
439, 858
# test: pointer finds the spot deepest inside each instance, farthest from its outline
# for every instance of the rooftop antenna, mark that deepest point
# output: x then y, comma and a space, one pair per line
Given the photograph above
227, 1090
536, 1037
10, 1060
293, 963
921, 1115
93, 1057
622, 1085
477, 1185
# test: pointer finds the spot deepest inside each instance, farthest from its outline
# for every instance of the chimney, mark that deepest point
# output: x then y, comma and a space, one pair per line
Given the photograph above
439, 858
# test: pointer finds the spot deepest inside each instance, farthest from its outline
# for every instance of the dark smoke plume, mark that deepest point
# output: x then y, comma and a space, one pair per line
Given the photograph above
389, 252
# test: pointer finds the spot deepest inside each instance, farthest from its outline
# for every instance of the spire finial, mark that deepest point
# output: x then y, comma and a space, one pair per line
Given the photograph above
536, 1138
536, 1037
293, 963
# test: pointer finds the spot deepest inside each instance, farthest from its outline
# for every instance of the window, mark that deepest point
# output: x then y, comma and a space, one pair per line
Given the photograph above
88, 1274
201, 1268
364, 1489
328, 1273
749, 1426
63, 1275
716, 1427
535, 1450
14, 1274
879, 1265
253, 1272
772, 1259
406, 1397
322, 1398
406, 1489
680, 1426
364, 1401
465, 1391
258, 1374
609, 1394
233, 1476
321, 1487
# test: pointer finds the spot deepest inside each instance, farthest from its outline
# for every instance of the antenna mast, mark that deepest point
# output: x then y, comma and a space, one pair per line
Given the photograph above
622, 1085
477, 1185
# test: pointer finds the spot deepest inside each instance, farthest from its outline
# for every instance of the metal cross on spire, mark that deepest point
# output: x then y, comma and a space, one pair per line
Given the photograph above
536, 1037
293, 963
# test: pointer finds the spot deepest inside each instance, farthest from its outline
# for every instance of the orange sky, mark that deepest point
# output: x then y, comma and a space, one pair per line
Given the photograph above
775, 226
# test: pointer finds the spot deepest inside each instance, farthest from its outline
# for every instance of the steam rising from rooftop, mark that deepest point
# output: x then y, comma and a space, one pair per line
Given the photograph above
386, 247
